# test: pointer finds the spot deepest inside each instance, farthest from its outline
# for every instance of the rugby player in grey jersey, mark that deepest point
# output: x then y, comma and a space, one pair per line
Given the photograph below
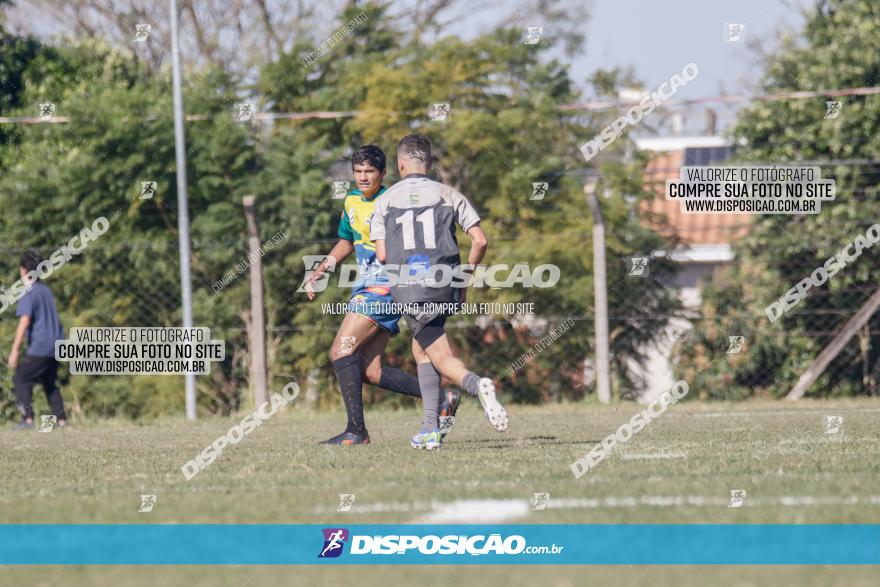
413, 226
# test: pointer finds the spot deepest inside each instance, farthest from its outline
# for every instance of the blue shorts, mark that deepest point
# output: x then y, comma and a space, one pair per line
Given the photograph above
373, 303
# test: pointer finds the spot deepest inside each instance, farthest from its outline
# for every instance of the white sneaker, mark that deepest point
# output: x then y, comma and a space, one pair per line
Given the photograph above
494, 410
426, 440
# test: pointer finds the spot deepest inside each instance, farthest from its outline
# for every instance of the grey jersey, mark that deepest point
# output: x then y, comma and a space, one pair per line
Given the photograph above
416, 218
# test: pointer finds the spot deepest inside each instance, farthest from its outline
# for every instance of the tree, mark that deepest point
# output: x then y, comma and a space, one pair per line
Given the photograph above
505, 131
238, 37
61, 177
840, 49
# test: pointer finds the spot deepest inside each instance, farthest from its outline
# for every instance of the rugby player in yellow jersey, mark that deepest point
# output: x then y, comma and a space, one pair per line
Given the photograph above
357, 350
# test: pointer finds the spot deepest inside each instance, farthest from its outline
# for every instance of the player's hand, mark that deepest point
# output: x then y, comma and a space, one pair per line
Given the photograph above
312, 278
13, 359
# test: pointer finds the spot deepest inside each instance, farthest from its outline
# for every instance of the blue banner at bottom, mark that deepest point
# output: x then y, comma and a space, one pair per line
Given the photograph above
566, 544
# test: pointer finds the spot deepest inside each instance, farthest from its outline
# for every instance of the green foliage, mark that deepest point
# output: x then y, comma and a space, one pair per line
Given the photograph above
16, 56
64, 176
506, 131
841, 50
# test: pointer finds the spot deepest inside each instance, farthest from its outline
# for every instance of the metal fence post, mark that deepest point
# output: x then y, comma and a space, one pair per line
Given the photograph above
600, 292
258, 321
182, 203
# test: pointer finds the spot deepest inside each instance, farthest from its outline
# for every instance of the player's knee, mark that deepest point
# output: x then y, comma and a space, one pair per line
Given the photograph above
337, 353
448, 363
439, 353
373, 374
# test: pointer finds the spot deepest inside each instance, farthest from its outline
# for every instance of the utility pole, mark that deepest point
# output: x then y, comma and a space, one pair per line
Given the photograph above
258, 321
600, 293
182, 202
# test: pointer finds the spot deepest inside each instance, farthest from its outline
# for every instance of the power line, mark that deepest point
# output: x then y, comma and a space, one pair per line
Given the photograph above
596, 105
728, 98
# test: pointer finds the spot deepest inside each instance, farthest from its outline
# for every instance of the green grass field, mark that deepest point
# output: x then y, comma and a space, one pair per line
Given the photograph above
680, 469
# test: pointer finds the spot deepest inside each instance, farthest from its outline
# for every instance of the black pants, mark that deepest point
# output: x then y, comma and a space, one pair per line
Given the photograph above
33, 370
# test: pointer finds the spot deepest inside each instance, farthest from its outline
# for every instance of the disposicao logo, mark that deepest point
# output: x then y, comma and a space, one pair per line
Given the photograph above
334, 540
408, 544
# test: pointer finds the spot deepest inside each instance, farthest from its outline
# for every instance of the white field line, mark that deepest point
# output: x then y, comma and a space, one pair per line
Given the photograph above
696, 500
477, 511
499, 510
627, 502
639, 456
792, 412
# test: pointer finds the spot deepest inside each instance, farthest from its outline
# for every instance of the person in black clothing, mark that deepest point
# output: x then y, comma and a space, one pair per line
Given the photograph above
38, 319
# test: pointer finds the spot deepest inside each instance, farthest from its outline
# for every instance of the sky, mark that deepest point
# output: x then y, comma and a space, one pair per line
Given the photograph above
659, 38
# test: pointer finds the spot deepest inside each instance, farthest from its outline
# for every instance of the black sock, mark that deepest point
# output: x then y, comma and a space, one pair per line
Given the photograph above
351, 383
399, 381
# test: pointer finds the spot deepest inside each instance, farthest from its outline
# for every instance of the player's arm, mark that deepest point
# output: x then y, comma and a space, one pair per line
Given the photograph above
479, 244
377, 229
342, 249
23, 324
467, 218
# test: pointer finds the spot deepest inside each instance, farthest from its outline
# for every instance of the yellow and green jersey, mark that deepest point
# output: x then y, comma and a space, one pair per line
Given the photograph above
354, 226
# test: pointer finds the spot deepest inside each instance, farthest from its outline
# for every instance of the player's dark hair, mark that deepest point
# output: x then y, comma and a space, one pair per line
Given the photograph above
30, 260
415, 146
370, 154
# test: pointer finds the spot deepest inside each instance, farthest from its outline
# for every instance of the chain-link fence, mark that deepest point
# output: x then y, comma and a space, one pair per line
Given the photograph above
724, 342
755, 332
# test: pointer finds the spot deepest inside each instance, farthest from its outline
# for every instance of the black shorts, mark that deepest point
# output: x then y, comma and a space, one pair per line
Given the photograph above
427, 333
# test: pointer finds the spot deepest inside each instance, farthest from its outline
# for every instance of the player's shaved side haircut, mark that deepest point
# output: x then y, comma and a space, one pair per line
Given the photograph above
370, 154
415, 147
